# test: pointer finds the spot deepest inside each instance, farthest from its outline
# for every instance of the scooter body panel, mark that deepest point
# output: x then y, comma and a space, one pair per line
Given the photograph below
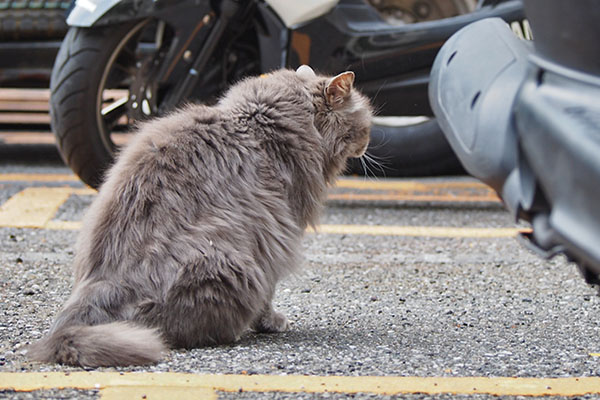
527, 122
474, 80
392, 63
557, 115
87, 13
297, 12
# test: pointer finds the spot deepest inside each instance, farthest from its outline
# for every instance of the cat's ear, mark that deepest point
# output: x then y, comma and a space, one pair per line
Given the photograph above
305, 72
339, 87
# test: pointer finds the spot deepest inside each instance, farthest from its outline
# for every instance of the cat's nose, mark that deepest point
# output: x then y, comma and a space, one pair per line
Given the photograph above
362, 151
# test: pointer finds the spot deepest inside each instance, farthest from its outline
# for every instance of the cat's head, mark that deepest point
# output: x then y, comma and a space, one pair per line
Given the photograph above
342, 114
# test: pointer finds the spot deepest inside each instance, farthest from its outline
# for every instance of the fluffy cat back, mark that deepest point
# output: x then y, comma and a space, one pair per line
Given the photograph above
201, 215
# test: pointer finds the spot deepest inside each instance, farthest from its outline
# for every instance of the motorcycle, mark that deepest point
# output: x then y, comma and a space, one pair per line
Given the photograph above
526, 121
127, 60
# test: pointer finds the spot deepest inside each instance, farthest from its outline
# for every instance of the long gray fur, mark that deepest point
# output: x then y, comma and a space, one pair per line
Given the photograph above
201, 215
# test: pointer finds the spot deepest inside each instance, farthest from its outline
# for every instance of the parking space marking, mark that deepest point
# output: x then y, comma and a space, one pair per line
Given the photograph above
356, 190
396, 190
407, 185
414, 197
35, 207
352, 188
347, 183
38, 178
423, 231
157, 392
171, 383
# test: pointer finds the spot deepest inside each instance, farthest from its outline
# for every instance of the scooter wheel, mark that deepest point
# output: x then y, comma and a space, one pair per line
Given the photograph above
104, 82
74, 85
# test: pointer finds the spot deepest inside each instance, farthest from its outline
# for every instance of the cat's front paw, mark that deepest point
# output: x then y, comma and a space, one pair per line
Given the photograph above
274, 322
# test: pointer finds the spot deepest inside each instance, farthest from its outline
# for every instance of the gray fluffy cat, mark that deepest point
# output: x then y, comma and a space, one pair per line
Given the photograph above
201, 215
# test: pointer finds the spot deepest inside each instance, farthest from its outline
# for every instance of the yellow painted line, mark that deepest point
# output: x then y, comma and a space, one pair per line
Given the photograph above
38, 178
34, 207
407, 185
26, 210
170, 382
340, 183
424, 231
417, 197
412, 191
154, 392
595, 354
368, 230
380, 185
62, 225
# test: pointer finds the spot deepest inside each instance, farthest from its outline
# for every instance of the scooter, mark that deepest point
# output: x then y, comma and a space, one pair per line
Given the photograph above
127, 60
524, 117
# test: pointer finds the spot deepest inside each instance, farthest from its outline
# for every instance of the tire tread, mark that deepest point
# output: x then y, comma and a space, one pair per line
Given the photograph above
73, 86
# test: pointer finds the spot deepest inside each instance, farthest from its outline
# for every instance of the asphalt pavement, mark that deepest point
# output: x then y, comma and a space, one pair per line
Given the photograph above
412, 288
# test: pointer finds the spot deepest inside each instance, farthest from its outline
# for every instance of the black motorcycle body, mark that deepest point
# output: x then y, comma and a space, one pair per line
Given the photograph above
391, 63
525, 119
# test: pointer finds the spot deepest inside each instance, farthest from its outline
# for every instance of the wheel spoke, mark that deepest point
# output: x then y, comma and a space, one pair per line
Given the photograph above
113, 111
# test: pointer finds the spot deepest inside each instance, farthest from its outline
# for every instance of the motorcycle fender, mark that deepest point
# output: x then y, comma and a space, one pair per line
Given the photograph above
474, 80
87, 13
297, 12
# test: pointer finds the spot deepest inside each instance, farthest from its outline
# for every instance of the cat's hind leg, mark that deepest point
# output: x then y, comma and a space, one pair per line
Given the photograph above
213, 301
269, 320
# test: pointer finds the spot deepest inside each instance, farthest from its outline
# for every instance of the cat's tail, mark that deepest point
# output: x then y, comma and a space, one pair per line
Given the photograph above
112, 344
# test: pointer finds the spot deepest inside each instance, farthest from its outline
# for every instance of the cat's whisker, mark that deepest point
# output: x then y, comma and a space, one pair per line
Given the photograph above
377, 162
380, 145
364, 167
377, 109
380, 160
364, 160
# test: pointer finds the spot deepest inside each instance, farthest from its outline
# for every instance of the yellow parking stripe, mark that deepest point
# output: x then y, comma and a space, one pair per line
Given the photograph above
400, 185
26, 210
347, 183
175, 383
156, 392
491, 198
425, 231
369, 230
35, 207
38, 178
62, 225
356, 190
455, 191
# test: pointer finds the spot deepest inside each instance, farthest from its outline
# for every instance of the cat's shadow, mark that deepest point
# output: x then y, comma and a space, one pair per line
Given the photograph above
304, 337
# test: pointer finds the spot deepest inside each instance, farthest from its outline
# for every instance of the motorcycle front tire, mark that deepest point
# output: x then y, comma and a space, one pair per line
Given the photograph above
74, 85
